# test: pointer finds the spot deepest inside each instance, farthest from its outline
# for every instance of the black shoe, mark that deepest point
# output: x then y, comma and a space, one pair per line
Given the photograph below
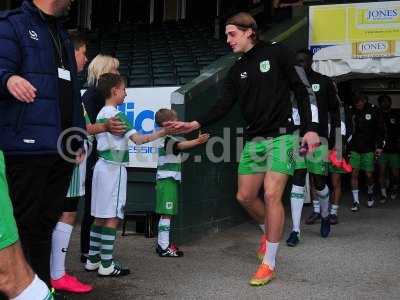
333, 219
84, 257
355, 207
171, 251
314, 217
293, 239
325, 227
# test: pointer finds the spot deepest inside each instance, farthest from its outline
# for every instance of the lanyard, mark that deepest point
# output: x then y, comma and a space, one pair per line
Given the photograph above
56, 42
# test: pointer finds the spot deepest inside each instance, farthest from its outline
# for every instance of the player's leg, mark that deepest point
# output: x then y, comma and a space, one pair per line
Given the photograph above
395, 183
60, 280
17, 280
382, 162
248, 196
274, 185
317, 166
37, 189
395, 167
280, 165
367, 165
296, 204
322, 195
370, 187
355, 161
336, 180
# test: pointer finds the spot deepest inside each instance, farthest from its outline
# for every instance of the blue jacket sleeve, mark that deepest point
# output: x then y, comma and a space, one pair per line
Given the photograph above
10, 54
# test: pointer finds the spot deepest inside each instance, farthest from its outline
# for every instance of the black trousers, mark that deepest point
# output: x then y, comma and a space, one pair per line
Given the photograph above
87, 219
38, 185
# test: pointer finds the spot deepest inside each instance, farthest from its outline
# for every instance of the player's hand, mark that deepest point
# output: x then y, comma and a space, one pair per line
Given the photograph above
181, 127
311, 139
203, 138
21, 89
378, 152
115, 126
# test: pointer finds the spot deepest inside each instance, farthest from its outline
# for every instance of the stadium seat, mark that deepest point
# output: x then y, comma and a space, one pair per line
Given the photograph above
139, 82
164, 81
134, 70
158, 70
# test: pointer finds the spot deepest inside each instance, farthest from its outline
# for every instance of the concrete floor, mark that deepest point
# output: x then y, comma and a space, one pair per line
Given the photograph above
360, 260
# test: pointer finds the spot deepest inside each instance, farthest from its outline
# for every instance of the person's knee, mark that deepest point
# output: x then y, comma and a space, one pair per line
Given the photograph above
272, 197
245, 197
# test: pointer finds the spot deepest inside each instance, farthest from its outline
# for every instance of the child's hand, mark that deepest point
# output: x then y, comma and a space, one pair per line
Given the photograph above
203, 138
115, 126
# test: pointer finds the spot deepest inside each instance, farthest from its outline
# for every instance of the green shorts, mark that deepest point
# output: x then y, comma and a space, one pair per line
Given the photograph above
167, 196
8, 228
362, 161
275, 154
315, 163
391, 160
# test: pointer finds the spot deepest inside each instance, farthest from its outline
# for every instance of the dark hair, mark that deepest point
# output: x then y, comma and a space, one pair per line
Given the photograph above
359, 96
108, 81
164, 115
78, 39
383, 97
244, 21
306, 52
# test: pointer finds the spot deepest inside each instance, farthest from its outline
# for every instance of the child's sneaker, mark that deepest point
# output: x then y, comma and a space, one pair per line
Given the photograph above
170, 251
114, 270
90, 267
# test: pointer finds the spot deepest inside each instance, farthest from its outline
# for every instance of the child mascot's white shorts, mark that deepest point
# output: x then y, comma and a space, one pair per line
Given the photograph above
108, 190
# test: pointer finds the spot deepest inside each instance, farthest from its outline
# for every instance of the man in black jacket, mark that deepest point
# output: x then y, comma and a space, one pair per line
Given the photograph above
316, 164
390, 157
366, 144
260, 81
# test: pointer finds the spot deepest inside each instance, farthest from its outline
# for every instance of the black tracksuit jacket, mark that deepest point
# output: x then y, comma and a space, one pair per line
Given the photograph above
392, 130
368, 129
261, 81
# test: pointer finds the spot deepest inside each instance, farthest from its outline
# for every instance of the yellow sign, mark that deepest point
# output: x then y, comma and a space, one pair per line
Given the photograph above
374, 49
353, 23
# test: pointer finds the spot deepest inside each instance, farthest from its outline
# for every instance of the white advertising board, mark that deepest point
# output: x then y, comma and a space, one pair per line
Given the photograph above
140, 107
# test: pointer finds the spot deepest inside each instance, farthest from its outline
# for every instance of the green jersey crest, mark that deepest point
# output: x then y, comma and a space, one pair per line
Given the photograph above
264, 66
